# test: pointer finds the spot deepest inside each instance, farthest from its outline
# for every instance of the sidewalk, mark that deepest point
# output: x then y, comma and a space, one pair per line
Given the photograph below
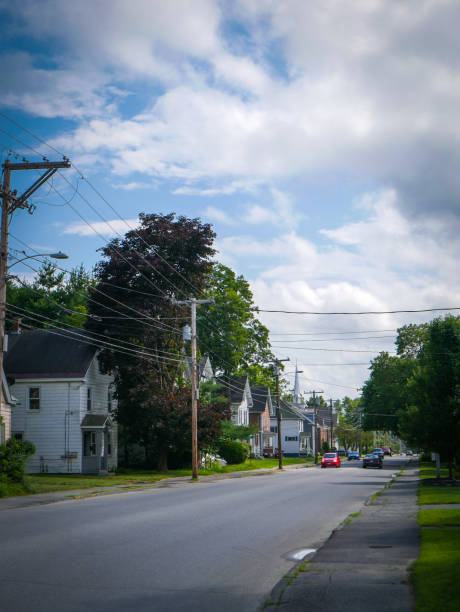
364, 565
38, 499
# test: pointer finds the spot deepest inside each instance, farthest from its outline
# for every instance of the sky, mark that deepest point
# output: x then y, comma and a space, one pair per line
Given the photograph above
321, 140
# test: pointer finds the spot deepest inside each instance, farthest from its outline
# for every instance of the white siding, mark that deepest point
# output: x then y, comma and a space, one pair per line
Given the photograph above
55, 428
291, 429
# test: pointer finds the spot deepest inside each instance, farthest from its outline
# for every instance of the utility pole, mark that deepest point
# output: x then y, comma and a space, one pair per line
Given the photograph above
11, 202
315, 439
276, 367
193, 302
332, 422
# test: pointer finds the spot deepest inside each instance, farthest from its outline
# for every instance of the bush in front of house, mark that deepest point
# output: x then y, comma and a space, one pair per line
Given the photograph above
13, 455
233, 452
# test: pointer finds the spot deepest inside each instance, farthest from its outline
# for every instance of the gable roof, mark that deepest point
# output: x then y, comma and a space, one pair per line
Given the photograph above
260, 396
289, 411
237, 387
204, 367
45, 354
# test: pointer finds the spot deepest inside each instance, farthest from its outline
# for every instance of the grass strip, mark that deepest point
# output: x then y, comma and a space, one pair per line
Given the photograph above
439, 517
438, 495
49, 483
435, 573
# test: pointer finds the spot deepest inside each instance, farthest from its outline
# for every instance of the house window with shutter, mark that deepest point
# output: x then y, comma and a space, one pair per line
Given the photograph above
34, 398
89, 399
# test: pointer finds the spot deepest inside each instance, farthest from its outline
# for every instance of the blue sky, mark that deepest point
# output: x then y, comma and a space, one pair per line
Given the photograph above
321, 140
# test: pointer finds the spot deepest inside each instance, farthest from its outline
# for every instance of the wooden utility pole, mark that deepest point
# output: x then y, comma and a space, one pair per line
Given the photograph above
332, 422
315, 407
276, 367
11, 202
193, 302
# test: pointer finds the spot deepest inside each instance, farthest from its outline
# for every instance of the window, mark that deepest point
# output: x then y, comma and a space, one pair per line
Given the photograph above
274, 428
291, 438
34, 398
88, 399
109, 443
18, 435
90, 444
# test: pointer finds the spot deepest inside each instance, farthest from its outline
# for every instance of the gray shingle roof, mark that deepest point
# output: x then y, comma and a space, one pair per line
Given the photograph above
44, 354
94, 421
237, 385
260, 394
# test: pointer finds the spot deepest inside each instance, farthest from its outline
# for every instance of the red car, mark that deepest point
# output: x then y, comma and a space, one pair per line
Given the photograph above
330, 460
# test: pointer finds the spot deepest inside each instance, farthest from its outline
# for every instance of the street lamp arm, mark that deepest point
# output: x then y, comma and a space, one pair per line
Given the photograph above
58, 255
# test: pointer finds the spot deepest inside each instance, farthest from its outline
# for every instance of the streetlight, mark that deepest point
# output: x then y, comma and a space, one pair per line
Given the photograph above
58, 255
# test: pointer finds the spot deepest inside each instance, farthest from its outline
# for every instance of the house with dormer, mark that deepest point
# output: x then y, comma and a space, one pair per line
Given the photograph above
239, 392
64, 403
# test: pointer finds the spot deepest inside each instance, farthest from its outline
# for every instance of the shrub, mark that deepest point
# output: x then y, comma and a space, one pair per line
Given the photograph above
13, 457
233, 452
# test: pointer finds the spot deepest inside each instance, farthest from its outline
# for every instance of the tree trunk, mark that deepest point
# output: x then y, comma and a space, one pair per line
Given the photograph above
438, 465
162, 464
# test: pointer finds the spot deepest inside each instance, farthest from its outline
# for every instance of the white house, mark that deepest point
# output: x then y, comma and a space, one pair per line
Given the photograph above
240, 399
296, 434
5, 411
64, 403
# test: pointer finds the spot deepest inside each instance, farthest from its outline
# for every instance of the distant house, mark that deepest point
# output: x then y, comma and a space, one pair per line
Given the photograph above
296, 430
241, 402
204, 369
5, 411
259, 416
64, 403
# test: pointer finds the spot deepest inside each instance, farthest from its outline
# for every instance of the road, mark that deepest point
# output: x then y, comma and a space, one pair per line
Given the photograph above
207, 546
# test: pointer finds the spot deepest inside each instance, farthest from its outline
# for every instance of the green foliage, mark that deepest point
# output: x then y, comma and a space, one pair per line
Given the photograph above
233, 452
230, 431
324, 446
50, 297
229, 329
211, 393
410, 339
13, 455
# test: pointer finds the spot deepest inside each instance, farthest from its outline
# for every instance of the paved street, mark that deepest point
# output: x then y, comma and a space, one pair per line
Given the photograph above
208, 546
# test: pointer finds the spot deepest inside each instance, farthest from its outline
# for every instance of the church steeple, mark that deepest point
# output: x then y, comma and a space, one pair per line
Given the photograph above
297, 385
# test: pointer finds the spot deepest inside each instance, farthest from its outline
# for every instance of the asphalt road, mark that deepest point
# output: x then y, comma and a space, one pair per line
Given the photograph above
207, 546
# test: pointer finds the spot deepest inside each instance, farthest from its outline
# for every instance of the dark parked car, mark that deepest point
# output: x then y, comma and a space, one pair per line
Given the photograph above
354, 455
342, 453
378, 451
372, 460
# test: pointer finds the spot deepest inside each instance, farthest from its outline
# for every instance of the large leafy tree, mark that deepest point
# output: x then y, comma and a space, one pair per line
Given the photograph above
229, 330
140, 276
51, 299
433, 418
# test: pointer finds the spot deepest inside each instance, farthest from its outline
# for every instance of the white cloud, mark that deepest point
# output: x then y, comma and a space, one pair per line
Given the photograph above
109, 229
133, 186
217, 214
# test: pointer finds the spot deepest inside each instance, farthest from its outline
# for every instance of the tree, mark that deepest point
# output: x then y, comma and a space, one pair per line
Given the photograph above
166, 257
410, 339
50, 300
386, 394
229, 330
432, 420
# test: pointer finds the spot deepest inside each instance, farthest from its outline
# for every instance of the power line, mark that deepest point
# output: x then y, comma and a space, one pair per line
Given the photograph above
364, 312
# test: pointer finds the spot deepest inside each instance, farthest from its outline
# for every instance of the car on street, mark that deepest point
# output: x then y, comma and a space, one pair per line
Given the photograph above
387, 450
409, 452
378, 451
372, 460
330, 460
354, 455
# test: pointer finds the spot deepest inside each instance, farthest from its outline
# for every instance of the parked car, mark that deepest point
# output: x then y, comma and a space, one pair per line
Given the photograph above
378, 451
409, 452
354, 455
342, 453
372, 460
330, 460
387, 450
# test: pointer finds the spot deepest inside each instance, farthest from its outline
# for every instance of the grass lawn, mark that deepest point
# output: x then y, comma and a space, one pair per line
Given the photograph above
439, 517
435, 573
47, 483
428, 470
438, 495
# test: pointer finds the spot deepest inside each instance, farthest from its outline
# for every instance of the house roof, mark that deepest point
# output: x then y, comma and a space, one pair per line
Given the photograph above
46, 354
289, 411
237, 386
260, 395
202, 366
95, 421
